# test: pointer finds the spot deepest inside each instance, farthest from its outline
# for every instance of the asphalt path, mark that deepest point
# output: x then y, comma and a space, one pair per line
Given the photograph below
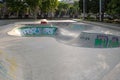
48, 59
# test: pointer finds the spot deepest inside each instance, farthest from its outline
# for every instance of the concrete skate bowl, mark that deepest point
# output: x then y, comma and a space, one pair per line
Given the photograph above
12, 68
75, 34
85, 35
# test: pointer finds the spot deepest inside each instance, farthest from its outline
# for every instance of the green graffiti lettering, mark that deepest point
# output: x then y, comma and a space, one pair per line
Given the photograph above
113, 44
101, 41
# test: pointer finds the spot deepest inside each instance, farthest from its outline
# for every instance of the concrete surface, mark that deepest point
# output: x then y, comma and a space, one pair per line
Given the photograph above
48, 59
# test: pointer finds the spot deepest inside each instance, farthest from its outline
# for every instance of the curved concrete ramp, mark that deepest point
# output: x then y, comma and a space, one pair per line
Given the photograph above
65, 36
82, 35
71, 32
11, 68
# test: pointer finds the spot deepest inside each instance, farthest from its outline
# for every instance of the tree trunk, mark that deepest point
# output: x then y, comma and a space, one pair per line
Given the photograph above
36, 12
102, 17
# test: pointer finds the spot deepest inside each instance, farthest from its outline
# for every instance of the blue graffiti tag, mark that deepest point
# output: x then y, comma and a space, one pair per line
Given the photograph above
37, 31
48, 31
31, 31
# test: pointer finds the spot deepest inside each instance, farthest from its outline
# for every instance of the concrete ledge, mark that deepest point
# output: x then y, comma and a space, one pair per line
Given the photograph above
99, 40
33, 30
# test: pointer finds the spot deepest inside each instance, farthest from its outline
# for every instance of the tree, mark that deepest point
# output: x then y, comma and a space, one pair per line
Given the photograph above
63, 5
94, 6
64, 8
34, 5
44, 6
114, 8
76, 8
1, 6
48, 6
15, 6
87, 8
53, 5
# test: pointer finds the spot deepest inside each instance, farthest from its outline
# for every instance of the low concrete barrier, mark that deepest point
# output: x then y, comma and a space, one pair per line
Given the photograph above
34, 30
99, 40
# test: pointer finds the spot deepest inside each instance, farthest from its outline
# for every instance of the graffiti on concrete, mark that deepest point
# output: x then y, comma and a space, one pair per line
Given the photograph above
106, 41
101, 41
31, 31
48, 31
84, 38
37, 31
114, 42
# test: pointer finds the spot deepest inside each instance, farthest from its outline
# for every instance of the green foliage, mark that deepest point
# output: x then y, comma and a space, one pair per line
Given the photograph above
76, 6
111, 7
114, 7
14, 5
94, 6
64, 6
87, 4
65, 9
49, 5
53, 4
33, 3
45, 6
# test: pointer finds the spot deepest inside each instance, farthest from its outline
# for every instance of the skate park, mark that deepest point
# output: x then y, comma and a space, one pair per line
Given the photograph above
60, 50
